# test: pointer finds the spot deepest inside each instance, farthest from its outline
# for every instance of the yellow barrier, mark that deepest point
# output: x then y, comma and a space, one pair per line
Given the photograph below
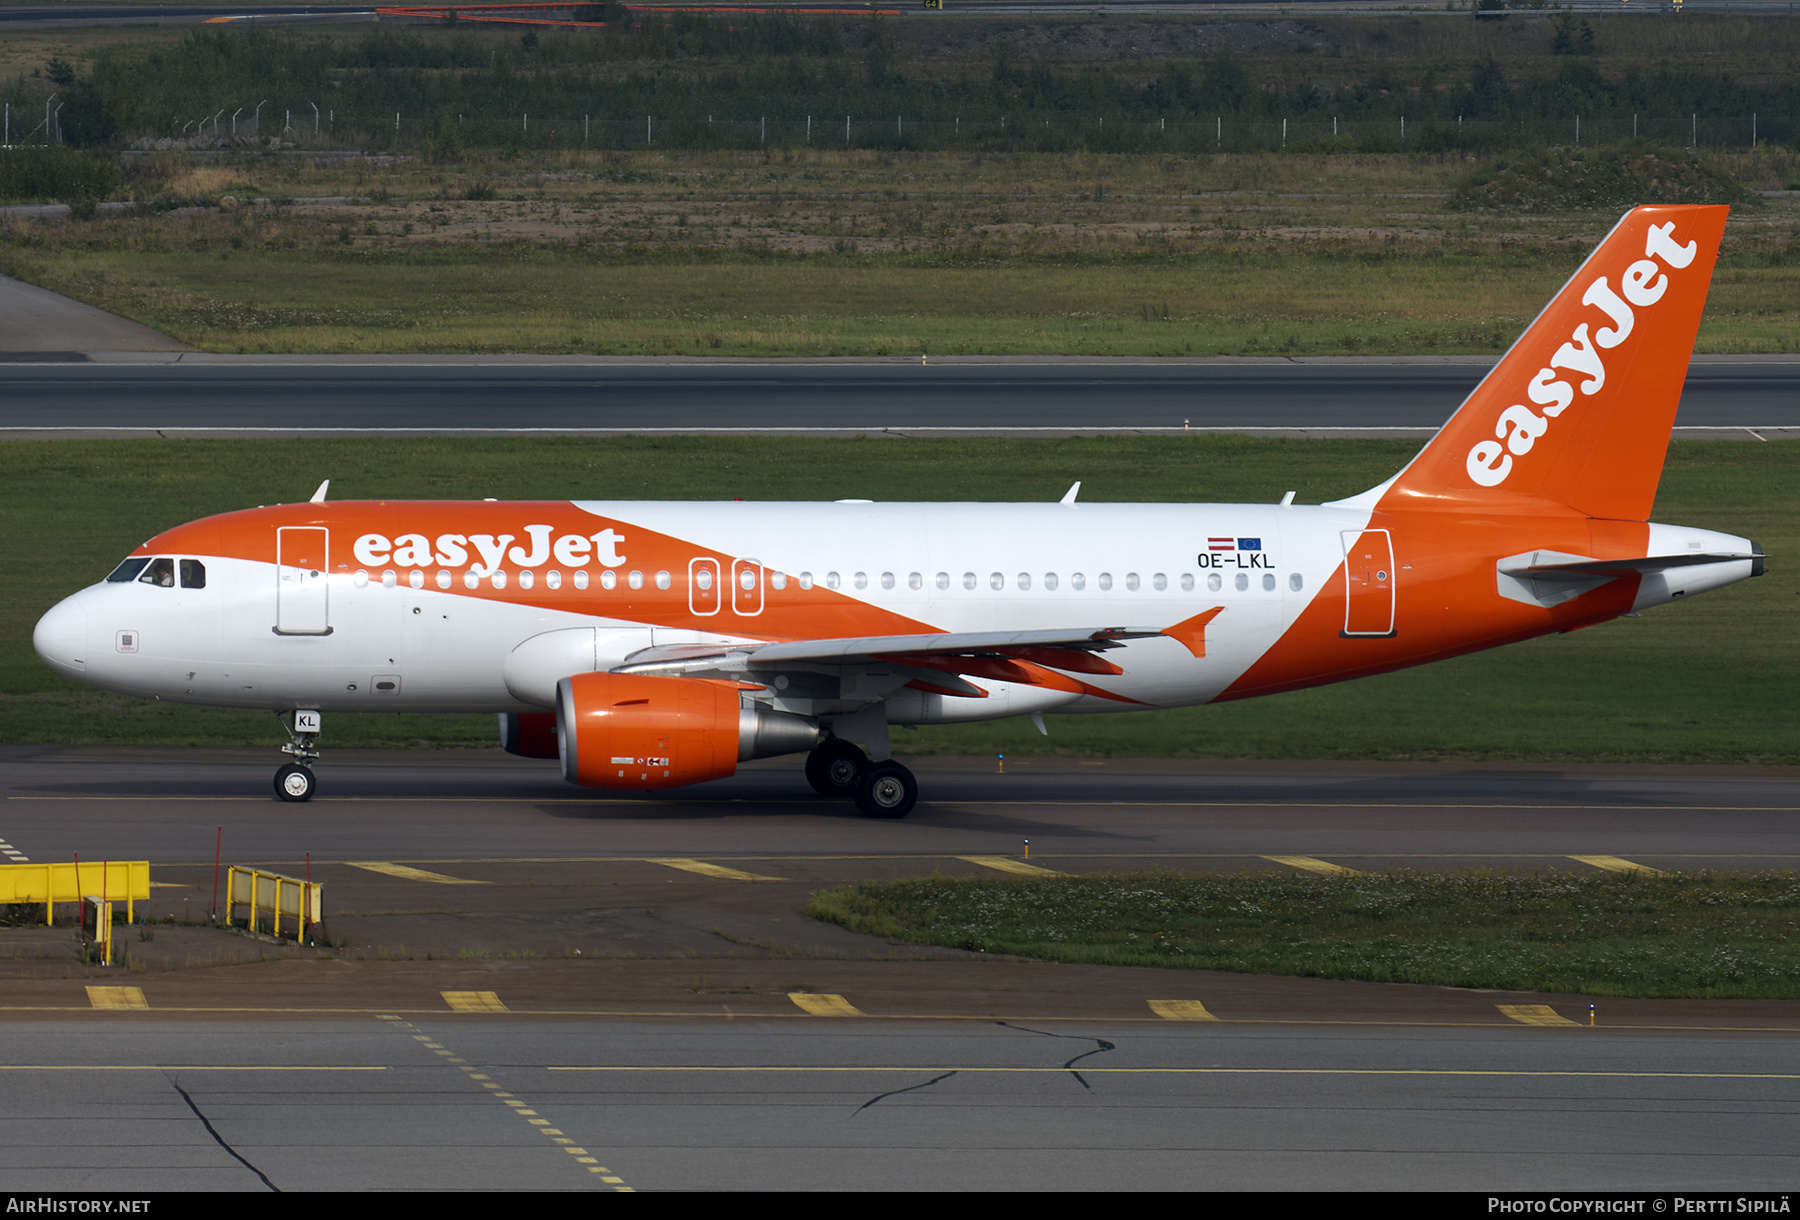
274, 894
126, 881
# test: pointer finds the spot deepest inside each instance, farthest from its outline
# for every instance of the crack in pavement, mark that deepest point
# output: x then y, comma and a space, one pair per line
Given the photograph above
1101, 1045
908, 1089
219, 1140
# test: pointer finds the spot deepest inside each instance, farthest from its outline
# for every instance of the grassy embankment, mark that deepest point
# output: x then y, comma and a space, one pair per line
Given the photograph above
1717, 680
1702, 935
989, 246
859, 254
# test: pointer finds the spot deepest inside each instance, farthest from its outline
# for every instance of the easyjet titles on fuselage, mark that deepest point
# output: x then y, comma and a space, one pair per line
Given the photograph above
452, 550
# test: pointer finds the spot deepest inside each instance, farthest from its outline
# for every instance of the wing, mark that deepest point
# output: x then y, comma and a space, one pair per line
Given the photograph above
933, 662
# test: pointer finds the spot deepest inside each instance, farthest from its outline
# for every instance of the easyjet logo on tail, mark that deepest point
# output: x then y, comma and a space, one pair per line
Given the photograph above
1579, 363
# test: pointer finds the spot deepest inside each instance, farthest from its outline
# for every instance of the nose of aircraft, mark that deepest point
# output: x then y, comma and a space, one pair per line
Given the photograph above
60, 638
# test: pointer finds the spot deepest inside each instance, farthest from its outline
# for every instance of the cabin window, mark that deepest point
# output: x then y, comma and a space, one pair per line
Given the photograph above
861, 580
581, 579
806, 580
778, 580
915, 581
361, 579
1050, 581
193, 574
526, 579
1078, 582
997, 580
968, 580
160, 573
943, 580
1243, 581
1268, 582
390, 578
1159, 582
662, 580
1024, 580
127, 571
552, 579
443, 579
635, 579
1131, 581
1295, 583
415, 578
833, 580
887, 580
1187, 582
1105, 581
470, 580
498, 579
1212, 582
608, 579
703, 579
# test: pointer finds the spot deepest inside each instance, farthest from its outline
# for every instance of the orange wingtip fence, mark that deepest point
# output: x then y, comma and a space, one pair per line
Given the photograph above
583, 16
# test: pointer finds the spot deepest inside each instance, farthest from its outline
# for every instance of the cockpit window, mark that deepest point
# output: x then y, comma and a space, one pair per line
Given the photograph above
127, 570
193, 574
160, 572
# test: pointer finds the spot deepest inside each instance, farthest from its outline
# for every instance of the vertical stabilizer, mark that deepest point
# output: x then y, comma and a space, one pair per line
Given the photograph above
1580, 408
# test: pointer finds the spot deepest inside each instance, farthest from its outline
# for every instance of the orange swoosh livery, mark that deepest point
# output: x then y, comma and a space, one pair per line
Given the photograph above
653, 644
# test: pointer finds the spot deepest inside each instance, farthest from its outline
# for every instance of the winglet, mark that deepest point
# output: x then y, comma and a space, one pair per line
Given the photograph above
1069, 496
318, 497
1190, 633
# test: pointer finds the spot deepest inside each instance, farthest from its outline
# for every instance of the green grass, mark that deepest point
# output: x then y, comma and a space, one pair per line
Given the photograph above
1716, 680
1239, 300
1706, 935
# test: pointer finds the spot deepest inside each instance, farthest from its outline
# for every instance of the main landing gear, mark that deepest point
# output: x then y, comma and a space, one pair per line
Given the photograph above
880, 789
294, 780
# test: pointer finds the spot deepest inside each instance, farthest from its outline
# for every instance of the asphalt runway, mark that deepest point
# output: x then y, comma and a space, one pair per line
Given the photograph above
224, 396
457, 1103
538, 987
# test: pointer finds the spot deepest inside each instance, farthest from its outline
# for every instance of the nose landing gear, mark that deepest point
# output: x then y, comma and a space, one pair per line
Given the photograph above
294, 780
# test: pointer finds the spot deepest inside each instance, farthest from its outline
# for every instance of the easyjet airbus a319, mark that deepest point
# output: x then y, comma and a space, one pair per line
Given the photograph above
649, 645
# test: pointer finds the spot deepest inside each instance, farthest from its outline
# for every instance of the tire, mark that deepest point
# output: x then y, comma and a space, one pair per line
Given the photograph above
294, 783
887, 790
835, 768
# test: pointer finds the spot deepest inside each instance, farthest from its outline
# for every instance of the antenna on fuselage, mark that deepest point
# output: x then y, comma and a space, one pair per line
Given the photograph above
1069, 496
318, 497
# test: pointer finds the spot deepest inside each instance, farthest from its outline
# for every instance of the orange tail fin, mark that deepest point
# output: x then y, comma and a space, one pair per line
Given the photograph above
1580, 408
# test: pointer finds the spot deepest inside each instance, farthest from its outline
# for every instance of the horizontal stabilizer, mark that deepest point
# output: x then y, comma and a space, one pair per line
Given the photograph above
1618, 567
1549, 578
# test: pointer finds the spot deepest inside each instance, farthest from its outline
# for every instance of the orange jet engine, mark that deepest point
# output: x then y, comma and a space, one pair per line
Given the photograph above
642, 731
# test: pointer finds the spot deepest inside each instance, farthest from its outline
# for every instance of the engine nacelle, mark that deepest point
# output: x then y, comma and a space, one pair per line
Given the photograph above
529, 734
645, 731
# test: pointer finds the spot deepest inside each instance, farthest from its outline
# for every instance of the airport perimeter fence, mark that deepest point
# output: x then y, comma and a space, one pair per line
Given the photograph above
447, 137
